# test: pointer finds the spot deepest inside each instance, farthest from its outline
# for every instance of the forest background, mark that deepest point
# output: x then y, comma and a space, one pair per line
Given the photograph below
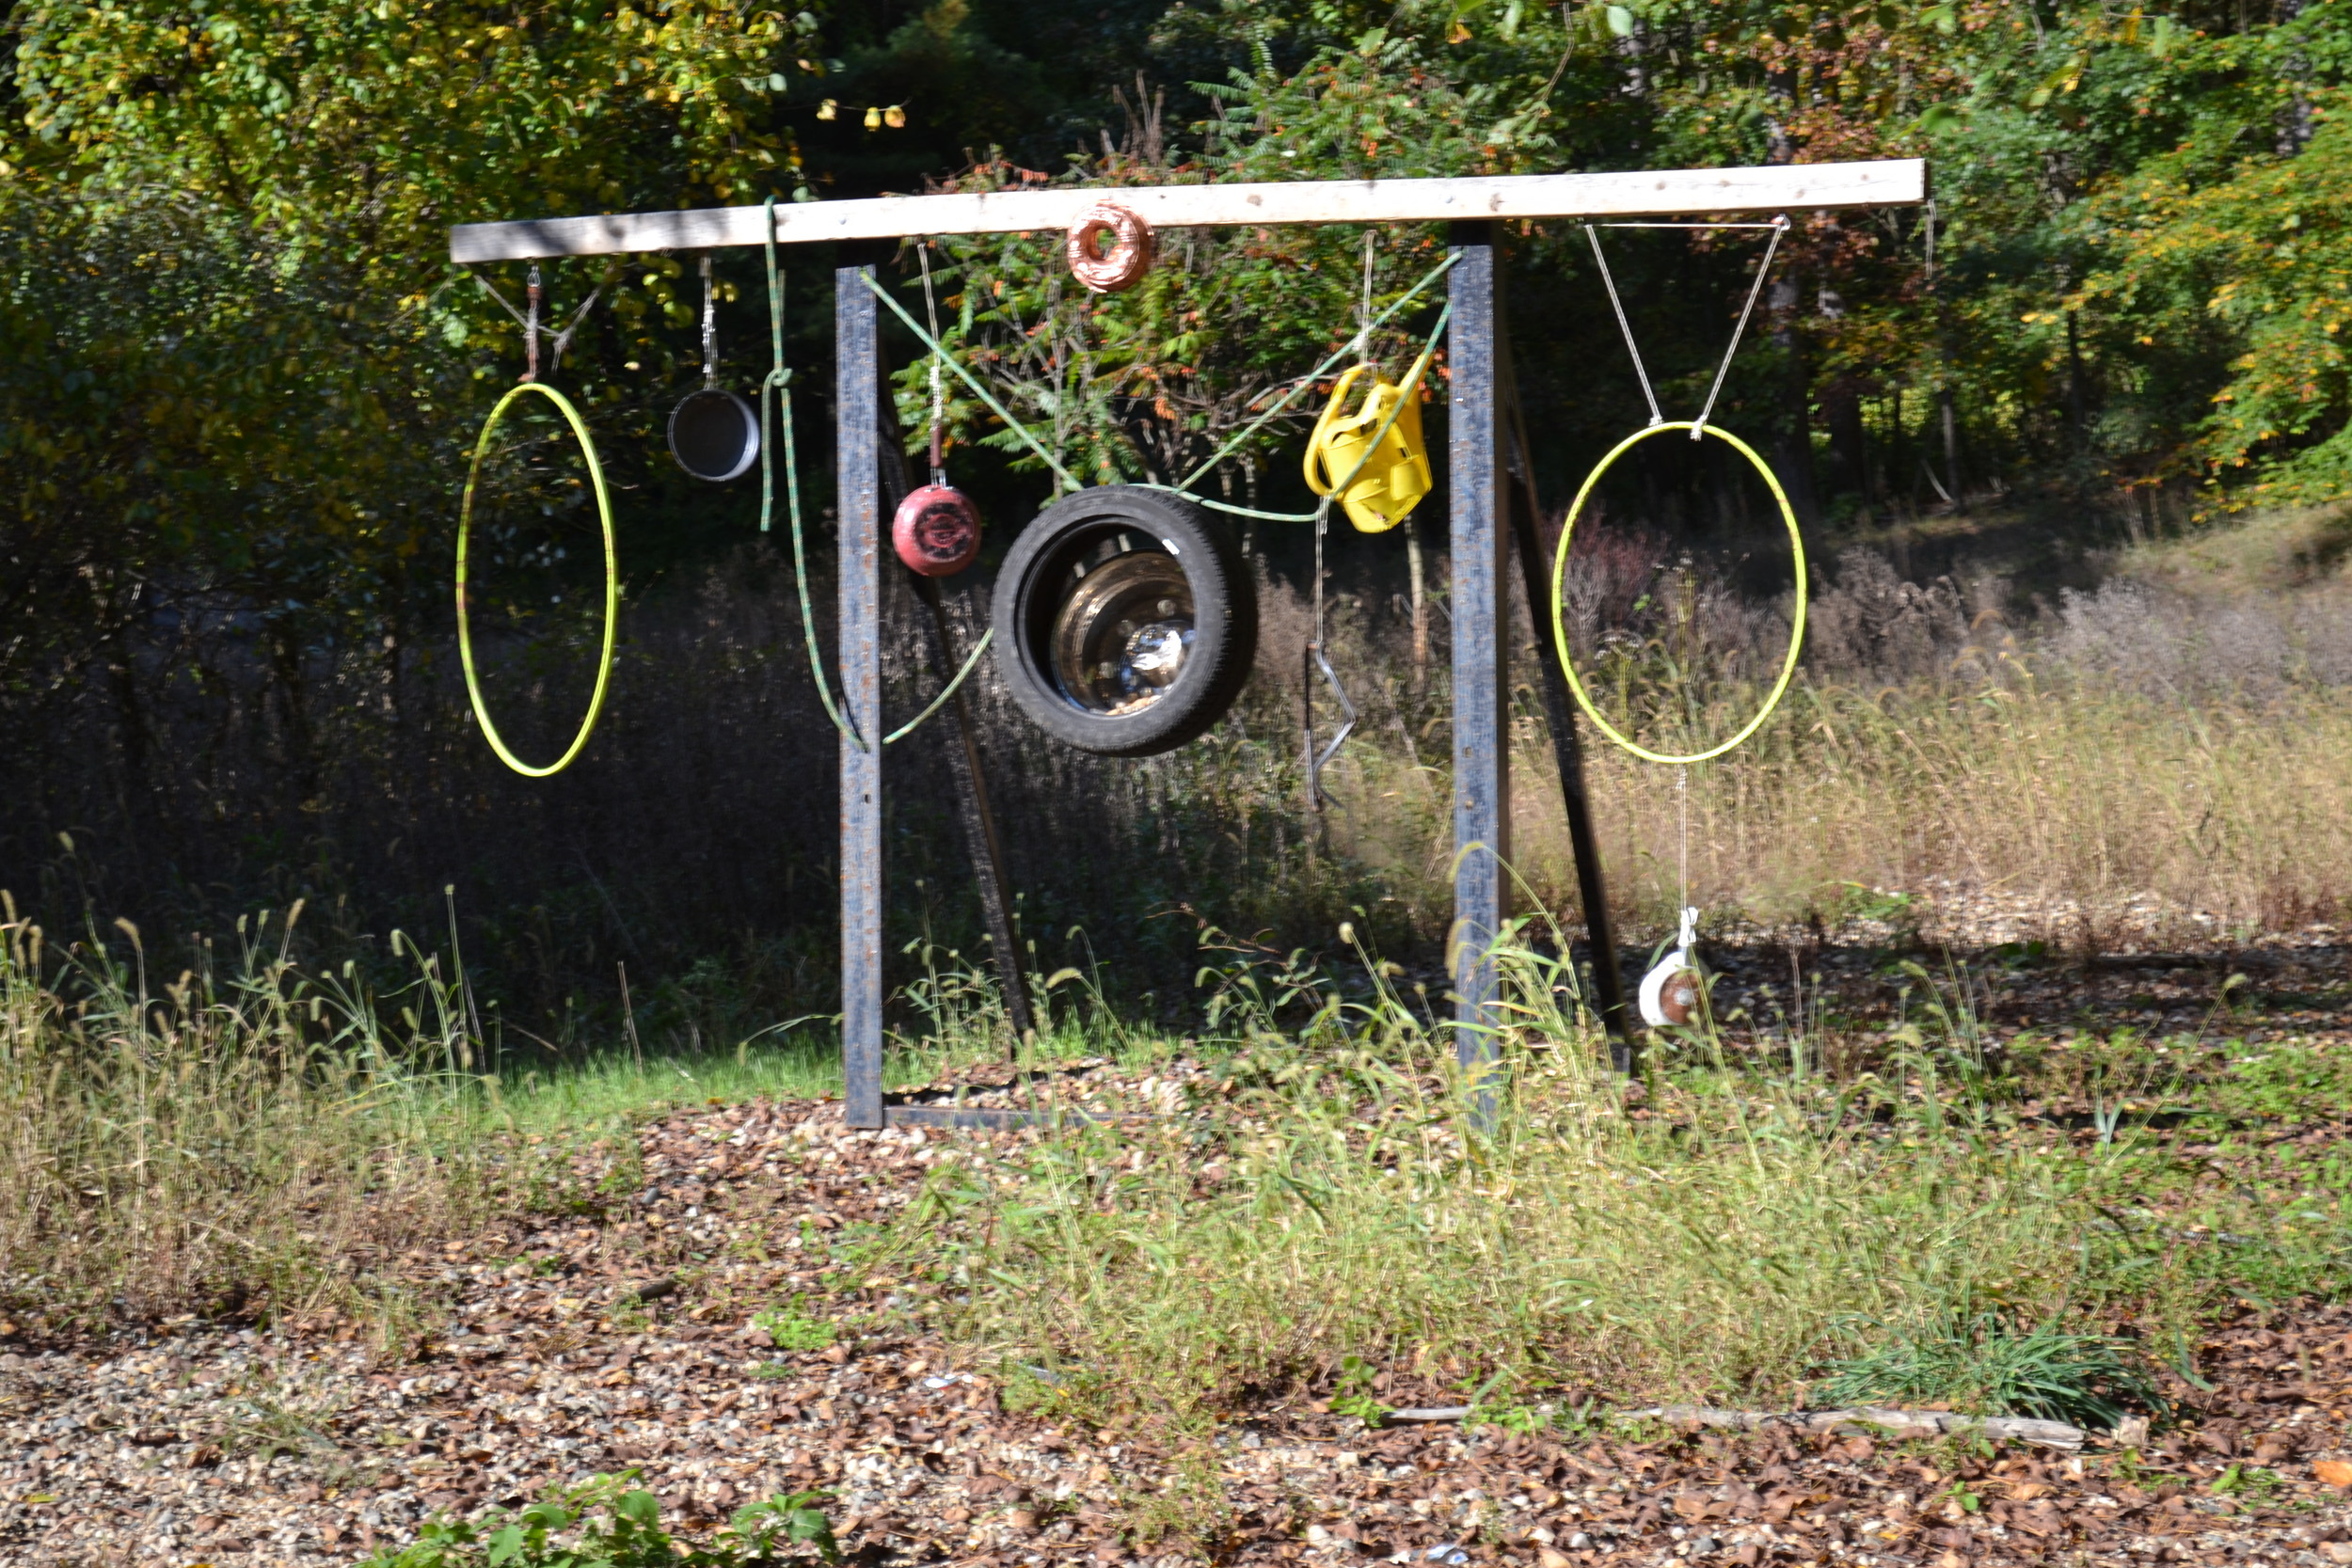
240, 381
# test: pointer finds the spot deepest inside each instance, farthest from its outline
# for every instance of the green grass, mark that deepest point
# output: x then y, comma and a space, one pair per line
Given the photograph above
1989, 1364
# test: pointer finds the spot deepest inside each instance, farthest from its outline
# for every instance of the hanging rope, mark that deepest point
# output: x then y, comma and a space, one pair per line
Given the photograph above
780, 380
529, 320
1184, 486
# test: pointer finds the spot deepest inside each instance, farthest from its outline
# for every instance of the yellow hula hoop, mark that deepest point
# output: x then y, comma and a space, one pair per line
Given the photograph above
611, 582
1558, 580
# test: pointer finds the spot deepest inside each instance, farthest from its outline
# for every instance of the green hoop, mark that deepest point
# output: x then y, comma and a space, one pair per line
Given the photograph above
611, 582
1558, 580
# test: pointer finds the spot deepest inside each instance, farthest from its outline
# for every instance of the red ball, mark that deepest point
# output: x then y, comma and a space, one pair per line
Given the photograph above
936, 531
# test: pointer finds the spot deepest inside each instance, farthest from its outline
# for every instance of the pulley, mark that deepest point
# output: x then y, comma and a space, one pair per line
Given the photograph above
1674, 993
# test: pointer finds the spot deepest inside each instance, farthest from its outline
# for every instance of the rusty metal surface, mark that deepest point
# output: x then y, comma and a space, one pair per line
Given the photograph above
857, 397
1482, 780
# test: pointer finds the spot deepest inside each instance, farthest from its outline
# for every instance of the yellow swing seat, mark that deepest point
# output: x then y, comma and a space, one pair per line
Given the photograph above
1379, 444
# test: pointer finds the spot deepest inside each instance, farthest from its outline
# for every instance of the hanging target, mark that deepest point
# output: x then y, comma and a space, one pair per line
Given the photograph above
611, 583
1674, 993
714, 433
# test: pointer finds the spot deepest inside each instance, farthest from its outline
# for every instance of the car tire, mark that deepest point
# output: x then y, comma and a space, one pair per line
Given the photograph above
1126, 621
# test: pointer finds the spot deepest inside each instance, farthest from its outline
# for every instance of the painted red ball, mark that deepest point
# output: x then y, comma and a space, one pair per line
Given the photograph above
936, 531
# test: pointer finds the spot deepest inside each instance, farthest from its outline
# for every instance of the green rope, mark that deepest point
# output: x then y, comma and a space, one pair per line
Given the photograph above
1372, 447
909, 727
780, 379
970, 380
1186, 485
1184, 489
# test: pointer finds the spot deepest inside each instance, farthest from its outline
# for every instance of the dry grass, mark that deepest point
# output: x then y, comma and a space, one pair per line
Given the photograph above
1736, 1231
254, 1141
2179, 735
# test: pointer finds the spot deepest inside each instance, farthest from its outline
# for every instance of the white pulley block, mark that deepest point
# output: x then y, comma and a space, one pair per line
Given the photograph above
1672, 991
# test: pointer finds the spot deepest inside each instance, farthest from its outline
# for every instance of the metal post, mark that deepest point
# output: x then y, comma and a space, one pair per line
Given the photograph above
857, 384
1482, 765
1560, 714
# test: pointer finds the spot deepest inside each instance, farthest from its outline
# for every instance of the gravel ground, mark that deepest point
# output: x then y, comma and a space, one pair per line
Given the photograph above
575, 1343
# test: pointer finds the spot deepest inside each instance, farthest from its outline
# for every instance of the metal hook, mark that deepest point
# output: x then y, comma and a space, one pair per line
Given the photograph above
1317, 762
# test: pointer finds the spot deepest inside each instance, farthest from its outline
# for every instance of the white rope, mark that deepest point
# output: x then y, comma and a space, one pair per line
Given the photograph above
1623, 326
1779, 227
1682, 815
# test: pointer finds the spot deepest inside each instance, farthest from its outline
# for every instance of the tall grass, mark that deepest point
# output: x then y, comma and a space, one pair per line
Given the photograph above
2180, 751
204, 1142
1724, 1238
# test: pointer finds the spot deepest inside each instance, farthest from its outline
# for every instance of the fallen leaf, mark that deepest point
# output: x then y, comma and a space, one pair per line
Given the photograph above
2335, 1472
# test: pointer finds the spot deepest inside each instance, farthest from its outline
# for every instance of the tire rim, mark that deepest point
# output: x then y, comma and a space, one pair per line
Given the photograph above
1123, 624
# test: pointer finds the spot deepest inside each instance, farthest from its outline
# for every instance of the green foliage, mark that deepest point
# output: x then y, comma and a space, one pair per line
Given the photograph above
605, 1523
1355, 1397
1987, 1364
790, 1329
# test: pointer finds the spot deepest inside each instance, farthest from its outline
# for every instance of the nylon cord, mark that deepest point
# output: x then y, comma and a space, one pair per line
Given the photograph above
779, 379
1682, 815
1624, 327
1779, 227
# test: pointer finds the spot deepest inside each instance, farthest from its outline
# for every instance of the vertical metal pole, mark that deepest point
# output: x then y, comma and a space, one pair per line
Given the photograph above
857, 386
1607, 992
1481, 767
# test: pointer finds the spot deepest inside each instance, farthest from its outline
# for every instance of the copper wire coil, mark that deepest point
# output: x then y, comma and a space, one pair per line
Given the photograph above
1130, 257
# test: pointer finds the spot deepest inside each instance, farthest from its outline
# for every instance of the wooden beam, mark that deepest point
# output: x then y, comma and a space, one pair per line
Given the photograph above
1784, 187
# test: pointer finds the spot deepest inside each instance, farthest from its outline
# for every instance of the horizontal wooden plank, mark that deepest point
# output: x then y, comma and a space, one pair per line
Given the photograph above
1787, 187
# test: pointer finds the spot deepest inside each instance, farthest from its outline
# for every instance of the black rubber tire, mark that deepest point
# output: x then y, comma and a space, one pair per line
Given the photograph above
1225, 619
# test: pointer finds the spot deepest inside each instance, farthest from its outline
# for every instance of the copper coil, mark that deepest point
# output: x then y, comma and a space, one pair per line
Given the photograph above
1133, 249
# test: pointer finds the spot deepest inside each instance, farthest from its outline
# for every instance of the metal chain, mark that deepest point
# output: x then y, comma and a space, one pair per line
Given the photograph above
710, 329
939, 393
531, 329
